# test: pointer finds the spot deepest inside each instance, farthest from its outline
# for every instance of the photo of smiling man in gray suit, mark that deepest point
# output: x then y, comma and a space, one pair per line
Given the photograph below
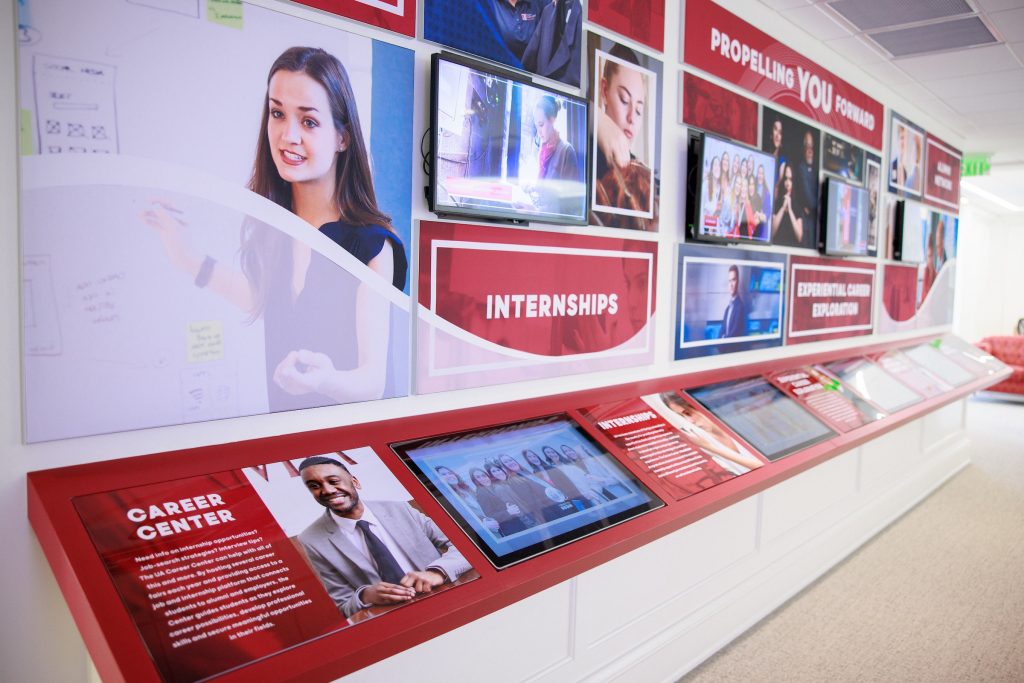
372, 552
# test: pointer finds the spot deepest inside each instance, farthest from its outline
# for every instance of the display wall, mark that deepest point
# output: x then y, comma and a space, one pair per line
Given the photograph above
44, 610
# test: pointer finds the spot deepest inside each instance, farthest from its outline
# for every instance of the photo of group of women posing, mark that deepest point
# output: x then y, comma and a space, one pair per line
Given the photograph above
737, 191
512, 492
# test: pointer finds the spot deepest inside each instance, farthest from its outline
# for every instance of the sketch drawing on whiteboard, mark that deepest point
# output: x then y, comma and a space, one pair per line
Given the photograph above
72, 97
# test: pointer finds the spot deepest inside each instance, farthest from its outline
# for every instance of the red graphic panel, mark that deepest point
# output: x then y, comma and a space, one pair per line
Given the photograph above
825, 397
722, 44
548, 294
899, 292
641, 20
716, 109
679, 465
208, 576
829, 299
942, 174
394, 15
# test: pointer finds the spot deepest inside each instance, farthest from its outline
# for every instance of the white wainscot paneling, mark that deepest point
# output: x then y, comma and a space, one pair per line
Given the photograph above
890, 458
787, 505
641, 593
943, 424
513, 644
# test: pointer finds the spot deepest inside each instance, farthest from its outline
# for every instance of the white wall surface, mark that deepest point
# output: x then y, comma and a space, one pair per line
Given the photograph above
39, 642
990, 276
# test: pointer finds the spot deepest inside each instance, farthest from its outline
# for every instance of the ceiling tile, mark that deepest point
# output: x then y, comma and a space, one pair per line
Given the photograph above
1018, 49
817, 22
856, 50
786, 4
978, 84
888, 74
1005, 117
1010, 24
977, 105
996, 5
979, 60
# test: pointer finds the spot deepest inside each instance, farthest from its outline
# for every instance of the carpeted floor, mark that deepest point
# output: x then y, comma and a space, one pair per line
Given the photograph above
937, 596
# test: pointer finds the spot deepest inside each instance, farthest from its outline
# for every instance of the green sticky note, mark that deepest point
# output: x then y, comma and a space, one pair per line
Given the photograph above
27, 140
937, 343
225, 12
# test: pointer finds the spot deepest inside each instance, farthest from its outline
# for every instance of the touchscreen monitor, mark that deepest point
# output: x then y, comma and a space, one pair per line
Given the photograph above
521, 489
504, 148
845, 219
732, 192
899, 365
939, 364
873, 383
969, 356
770, 421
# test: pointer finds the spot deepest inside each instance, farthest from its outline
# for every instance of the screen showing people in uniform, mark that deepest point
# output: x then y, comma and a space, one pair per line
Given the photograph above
846, 222
737, 190
759, 412
524, 488
507, 149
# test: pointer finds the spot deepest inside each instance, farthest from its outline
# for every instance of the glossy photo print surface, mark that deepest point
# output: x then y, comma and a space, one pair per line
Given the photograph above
220, 570
541, 37
166, 284
794, 147
626, 109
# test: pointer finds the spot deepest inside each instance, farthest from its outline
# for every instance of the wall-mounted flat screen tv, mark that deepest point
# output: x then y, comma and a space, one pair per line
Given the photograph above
767, 418
845, 220
731, 191
504, 148
521, 489
910, 226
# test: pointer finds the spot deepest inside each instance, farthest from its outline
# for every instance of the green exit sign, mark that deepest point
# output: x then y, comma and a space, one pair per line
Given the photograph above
975, 165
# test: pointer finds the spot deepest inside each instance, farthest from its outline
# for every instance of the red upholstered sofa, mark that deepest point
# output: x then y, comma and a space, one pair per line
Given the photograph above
1010, 350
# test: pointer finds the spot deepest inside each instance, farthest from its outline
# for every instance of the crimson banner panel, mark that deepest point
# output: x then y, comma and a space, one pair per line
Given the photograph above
829, 299
722, 44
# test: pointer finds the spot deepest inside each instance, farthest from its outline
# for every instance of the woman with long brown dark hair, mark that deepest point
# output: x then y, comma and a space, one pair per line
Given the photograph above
326, 332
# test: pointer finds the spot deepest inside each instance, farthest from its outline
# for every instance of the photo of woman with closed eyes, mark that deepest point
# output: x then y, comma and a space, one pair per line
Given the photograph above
326, 332
624, 100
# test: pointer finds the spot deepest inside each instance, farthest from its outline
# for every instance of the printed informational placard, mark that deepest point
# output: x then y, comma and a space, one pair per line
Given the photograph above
639, 20
829, 299
502, 305
826, 397
794, 147
722, 44
942, 174
842, 159
906, 157
626, 109
716, 109
921, 296
728, 300
522, 489
209, 569
544, 38
394, 15
181, 301
673, 441
873, 184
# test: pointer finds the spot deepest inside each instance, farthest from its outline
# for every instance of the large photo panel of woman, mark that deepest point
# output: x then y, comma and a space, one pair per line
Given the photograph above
220, 234
625, 97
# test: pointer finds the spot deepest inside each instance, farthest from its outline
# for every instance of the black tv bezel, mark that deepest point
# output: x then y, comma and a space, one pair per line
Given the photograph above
694, 188
777, 454
899, 232
505, 560
505, 217
825, 218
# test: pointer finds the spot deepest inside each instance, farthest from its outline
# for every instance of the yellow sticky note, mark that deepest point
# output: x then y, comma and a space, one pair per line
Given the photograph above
27, 143
225, 12
205, 341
